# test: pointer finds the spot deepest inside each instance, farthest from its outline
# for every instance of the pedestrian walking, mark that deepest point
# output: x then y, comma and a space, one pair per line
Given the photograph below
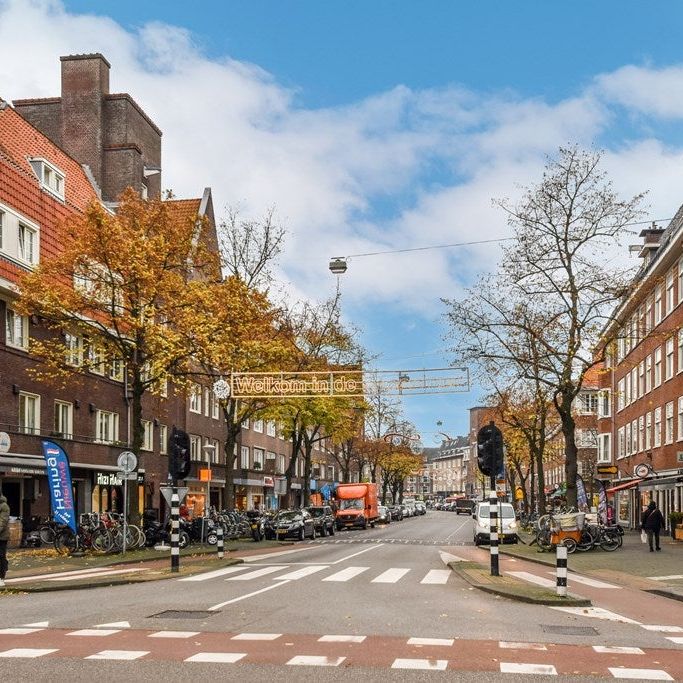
652, 522
4, 537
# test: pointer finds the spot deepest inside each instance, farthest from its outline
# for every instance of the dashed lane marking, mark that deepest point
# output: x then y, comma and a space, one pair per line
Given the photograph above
315, 660
640, 674
217, 657
587, 581
114, 624
672, 577
214, 574
520, 668
445, 642
341, 639
94, 632
28, 652
662, 628
174, 634
423, 664
508, 645
437, 576
18, 631
256, 636
676, 641
596, 613
532, 578
607, 650
248, 595
126, 655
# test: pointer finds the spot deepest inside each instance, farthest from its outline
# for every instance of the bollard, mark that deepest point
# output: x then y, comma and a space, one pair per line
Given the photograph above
219, 545
493, 534
561, 570
175, 529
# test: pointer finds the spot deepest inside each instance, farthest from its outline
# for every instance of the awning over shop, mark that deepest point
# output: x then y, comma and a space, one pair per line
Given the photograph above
623, 486
662, 484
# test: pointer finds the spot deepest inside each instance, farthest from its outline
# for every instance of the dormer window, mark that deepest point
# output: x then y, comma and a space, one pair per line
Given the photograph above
49, 176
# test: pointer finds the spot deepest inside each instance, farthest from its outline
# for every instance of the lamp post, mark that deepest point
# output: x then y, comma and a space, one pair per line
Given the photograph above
209, 448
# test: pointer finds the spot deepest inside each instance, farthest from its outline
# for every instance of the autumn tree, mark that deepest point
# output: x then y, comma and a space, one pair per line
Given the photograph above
113, 292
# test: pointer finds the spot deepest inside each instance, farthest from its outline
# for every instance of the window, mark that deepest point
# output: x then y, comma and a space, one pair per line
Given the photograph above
588, 402
257, 426
634, 384
74, 349
116, 370
680, 280
64, 413
669, 359
648, 316
648, 373
330, 472
29, 413
195, 447
16, 330
2, 224
658, 428
627, 389
679, 431
620, 443
215, 408
669, 423
628, 439
641, 433
211, 450
163, 439
245, 424
658, 305
270, 428
96, 359
244, 459
641, 378
620, 395
604, 403
280, 464
658, 366
147, 436
634, 436
107, 426
680, 350
50, 177
195, 399
648, 431
28, 239
585, 438
207, 403
258, 458
669, 292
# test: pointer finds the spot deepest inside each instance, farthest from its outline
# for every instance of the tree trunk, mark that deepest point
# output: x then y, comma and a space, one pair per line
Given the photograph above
570, 450
540, 483
137, 438
308, 448
232, 431
291, 467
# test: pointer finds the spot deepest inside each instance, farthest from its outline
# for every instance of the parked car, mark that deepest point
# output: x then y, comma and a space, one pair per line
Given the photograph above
294, 524
481, 523
323, 519
384, 515
420, 508
396, 513
465, 505
407, 511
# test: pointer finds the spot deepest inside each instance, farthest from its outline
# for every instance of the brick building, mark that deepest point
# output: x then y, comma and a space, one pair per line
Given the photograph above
640, 425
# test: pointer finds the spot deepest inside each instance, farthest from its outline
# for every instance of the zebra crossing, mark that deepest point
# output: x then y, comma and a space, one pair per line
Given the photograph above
286, 572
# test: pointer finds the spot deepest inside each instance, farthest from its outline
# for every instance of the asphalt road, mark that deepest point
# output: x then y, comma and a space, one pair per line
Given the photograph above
385, 590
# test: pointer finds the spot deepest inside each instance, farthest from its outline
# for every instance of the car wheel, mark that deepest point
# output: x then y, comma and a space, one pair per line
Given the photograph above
476, 540
302, 534
313, 534
323, 531
332, 530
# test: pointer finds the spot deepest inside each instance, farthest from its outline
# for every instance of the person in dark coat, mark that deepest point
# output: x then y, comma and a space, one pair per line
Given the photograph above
652, 522
4, 537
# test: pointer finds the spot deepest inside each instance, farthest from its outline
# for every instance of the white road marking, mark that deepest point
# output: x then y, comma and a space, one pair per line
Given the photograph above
436, 576
604, 649
640, 674
467, 521
446, 642
571, 576
301, 573
18, 631
174, 634
341, 639
127, 655
532, 578
256, 636
315, 660
218, 572
424, 664
38, 624
74, 572
29, 652
676, 641
507, 645
447, 557
360, 552
256, 573
114, 624
346, 574
518, 668
391, 575
663, 628
244, 597
596, 613
95, 632
217, 657
672, 577
95, 575
279, 553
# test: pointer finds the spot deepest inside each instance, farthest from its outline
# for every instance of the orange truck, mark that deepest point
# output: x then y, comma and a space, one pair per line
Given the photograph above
356, 505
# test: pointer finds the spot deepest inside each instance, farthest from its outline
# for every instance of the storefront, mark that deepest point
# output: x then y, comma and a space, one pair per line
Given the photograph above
666, 490
197, 493
250, 494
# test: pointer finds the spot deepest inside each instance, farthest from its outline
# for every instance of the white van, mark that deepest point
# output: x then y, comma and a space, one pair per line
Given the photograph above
481, 523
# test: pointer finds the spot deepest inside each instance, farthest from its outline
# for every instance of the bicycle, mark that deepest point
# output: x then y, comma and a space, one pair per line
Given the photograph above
90, 535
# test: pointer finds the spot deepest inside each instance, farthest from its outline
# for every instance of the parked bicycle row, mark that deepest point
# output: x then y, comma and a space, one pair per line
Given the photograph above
576, 532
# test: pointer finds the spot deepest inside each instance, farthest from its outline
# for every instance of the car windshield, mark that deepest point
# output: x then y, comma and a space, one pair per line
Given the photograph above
354, 504
289, 516
506, 511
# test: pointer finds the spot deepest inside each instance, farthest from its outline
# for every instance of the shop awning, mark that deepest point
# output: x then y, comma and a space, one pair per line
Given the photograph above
624, 486
662, 483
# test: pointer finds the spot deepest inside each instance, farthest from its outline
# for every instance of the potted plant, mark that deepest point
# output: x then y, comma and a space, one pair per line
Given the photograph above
676, 525
257, 465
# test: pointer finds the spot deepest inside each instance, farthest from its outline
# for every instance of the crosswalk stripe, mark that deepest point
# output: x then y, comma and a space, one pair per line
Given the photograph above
301, 573
256, 573
391, 575
218, 572
346, 574
29, 652
577, 578
437, 576
532, 578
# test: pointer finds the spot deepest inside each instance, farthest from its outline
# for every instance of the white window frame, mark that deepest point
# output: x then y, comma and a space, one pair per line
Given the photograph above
669, 291
207, 402
244, 457
641, 433
106, 426
16, 329
196, 448
605, 403
74, 349
620, 395
163, 439
669, 423
658, 367
658, 305
680, 280
215, 408
628, 438
669, 359
657, 440
116, 369
679, 432
648, 316
627, 389
29, 413
648, 431
648, 374
196, 399
257, 426
96, 359
27, 242
245, 424
259, 457
620, 443
2, 225
271, 428
147, 436
64, 419
50, 177
679, 368
280, 466
641, 378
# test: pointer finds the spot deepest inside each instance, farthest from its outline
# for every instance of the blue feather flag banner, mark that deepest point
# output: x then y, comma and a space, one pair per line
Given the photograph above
59, 481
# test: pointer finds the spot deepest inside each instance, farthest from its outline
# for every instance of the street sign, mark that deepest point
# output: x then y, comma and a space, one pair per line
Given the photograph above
130, 476
607, 469
166, 492
642, 470
127, 461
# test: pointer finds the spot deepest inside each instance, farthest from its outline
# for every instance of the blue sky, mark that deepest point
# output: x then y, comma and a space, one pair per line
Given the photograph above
380, 125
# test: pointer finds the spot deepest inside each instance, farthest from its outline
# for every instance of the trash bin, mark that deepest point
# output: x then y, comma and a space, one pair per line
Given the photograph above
15, 531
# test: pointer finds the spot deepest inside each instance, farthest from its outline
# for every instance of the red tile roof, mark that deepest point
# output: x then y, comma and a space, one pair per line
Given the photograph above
184, 208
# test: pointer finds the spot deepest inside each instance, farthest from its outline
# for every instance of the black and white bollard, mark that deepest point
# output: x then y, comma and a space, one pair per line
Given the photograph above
561, 570
493, 535
219, 545
175, 529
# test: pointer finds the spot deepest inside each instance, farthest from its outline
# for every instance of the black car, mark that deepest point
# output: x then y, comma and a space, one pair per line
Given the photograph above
396, 513
294, 524
323, 519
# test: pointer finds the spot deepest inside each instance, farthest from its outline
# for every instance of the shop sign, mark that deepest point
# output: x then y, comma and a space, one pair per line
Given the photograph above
24, 470
281, 486
607, 469
268, 481
5, 442
108, 479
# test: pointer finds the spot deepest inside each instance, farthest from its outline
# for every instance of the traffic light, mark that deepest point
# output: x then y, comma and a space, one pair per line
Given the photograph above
490, 450
179, 454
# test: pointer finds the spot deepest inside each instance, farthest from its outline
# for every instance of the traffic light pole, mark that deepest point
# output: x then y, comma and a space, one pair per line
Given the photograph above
175, 527
493, 536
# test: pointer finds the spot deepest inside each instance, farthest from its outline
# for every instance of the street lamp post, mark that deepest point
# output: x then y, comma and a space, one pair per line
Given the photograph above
209, 448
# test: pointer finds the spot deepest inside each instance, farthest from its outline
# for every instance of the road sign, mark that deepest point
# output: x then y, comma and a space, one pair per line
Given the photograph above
5, 442
127, 461
166, 492
130, 476
607, 469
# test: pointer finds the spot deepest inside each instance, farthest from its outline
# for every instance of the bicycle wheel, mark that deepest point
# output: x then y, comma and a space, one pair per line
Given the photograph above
609, 542
47, 534
569, 544
100, 541
543, 540
65, 542
137, 537
587, 541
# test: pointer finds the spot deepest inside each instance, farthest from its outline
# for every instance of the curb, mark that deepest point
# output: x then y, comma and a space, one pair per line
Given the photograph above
516, 590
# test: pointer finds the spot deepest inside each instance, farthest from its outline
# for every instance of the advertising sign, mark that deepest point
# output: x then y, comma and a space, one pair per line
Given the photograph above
59, 482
